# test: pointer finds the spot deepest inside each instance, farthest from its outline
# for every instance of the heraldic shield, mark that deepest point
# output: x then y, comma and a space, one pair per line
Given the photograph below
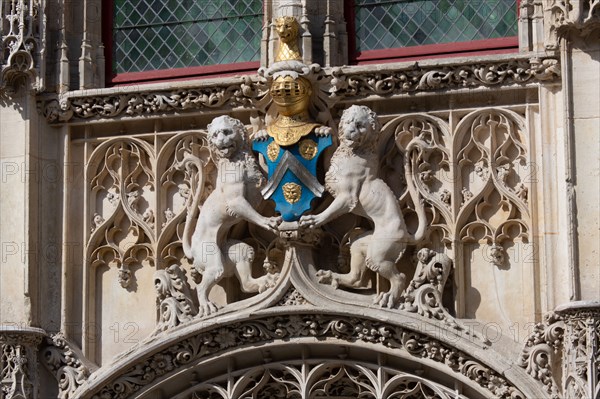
293, 182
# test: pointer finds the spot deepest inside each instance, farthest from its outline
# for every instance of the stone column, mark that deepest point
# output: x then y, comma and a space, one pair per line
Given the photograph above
573, 28
531, 23
30, 176
31, 173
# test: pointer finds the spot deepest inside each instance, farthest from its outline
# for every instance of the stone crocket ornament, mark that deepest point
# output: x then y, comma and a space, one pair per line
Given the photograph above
294, 140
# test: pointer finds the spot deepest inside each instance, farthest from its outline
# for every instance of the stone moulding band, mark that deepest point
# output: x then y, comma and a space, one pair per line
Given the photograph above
347, 83
146, 369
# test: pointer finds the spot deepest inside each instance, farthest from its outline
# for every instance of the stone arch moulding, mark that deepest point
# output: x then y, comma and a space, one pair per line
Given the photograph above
302, 353
306, 349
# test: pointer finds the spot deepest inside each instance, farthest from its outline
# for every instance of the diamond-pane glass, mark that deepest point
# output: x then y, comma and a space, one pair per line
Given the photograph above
166, 34
382, 24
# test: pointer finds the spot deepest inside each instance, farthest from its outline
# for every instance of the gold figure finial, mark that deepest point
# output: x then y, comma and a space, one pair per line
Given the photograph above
287, 29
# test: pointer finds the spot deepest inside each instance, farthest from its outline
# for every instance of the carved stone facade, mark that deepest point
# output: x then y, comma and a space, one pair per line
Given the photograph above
19, 362
314, 229
23, 44
568, 337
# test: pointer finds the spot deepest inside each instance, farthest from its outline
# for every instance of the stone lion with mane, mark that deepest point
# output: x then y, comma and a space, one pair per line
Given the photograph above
352, 180
238, 184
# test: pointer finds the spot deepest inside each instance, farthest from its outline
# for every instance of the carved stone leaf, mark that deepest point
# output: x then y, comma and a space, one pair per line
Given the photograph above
345, 83
65, 364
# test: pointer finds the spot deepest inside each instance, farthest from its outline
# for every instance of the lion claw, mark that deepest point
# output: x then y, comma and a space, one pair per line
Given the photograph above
268, 281
327, 277
310, 221
261, 135
387, 300
207, 308
272, 223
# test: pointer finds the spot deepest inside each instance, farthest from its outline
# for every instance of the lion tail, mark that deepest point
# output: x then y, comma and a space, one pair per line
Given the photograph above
192, 204
419, 202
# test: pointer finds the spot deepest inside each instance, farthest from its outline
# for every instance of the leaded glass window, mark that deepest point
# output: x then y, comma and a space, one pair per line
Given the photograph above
165, 34
384, 24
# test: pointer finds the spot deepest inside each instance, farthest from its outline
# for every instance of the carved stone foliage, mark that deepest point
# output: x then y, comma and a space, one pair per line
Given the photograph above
174, 297
22, 26
130, 104
18, 364
564, 16
562, 352
420, 78
292, 298
424, 293
344, 84
64, 362
542, 352
307, 325
327, 379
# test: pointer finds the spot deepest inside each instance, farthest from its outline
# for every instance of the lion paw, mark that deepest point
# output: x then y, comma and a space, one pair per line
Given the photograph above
272, 223
206, 308
310, 221
327, 277
261, 135
387, 299
267, 281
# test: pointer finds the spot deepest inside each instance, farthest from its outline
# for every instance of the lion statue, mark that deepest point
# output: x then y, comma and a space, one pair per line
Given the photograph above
238, 184
353, 182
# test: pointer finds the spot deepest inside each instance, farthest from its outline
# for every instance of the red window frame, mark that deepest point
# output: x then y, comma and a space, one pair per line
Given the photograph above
502, 45
160, 75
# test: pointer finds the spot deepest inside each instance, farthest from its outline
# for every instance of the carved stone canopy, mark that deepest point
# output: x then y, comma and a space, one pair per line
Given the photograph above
564, 17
